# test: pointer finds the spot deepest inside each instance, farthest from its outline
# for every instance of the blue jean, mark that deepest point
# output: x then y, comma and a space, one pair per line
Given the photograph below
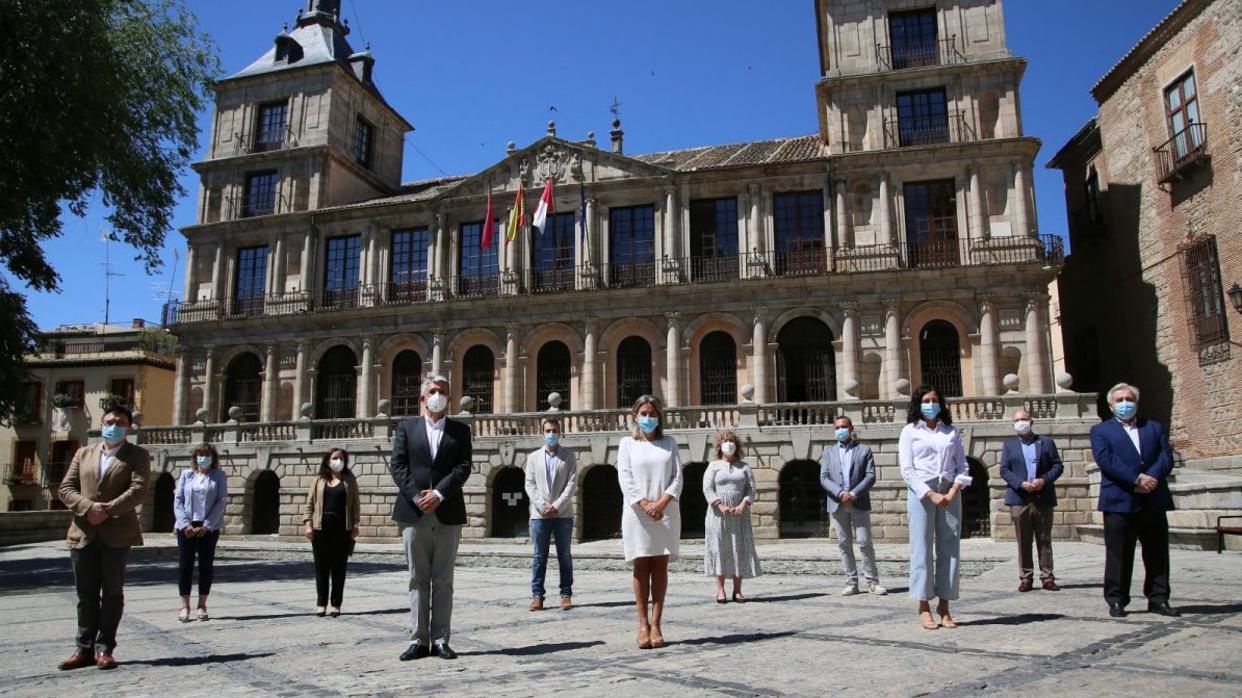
541, 533
939, 530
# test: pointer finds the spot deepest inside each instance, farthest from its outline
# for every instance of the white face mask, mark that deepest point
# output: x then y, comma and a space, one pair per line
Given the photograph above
728, 448
1022, 426
336, 464
437, 402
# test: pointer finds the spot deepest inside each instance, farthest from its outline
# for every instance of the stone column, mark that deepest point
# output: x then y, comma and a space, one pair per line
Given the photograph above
188, 295
1021, 211
373, 256
672, 360
589, 254
844, 238
1036, 351
299, 379
892, 349
512, 404
209, 383
217, 273
988, 355
437, 353
754, 226
759, 360
849, 352
279, 268
978, 219
886, 212
363, 407
587, 398
181, 388
672, 224
271, 384
307, 241
433, 250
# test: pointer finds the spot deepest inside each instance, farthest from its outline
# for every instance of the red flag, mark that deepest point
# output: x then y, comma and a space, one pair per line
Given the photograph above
489, 224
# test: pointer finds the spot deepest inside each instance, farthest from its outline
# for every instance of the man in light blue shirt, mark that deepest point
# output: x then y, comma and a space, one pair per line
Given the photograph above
551, 474
847, 472
1030, 465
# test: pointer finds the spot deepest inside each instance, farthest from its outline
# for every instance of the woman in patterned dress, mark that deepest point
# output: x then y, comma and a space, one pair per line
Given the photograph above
729, 546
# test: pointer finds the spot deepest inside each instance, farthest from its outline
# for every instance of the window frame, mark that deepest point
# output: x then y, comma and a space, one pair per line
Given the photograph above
267, 181
364, 141
265, 126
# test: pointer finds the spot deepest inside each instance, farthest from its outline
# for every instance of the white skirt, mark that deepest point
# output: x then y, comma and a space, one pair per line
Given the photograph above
643, 536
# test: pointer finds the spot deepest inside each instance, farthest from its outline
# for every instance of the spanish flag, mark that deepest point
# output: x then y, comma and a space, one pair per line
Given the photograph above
517, 217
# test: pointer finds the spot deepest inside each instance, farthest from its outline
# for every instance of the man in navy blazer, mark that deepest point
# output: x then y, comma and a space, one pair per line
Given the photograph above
430, 463
1030, 465
847, 473
1135, 461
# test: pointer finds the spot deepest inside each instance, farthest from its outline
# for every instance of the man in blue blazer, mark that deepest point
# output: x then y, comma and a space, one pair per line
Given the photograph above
1030, 465
847, 472
1135, 461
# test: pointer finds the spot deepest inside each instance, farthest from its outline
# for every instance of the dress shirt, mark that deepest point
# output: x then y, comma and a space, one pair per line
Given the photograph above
1132, 431
1030, 456
106, 456
549, 466
845, 452
198, 496
435, 431
931, 454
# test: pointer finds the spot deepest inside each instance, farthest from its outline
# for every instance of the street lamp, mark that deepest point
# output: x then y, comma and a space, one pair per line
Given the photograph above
1235, 297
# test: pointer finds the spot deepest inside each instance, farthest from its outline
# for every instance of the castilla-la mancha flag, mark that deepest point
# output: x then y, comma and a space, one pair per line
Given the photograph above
544, 208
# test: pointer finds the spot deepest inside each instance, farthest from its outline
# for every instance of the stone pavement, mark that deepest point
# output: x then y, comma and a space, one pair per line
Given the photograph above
797, 636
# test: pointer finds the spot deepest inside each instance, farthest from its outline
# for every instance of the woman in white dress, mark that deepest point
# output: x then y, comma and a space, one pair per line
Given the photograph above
649, 472
728, 543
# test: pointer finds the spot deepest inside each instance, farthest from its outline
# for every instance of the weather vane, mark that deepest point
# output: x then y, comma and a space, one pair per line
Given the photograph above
615, 108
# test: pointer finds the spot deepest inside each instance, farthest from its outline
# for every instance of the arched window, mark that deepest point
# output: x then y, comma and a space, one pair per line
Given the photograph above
479, 378
336, 382
510, 505
407, 371
163, 518
242, 385
265, 506
940, 358
718, 369
601, 504
803, 509
693, 504
806, 368
633, 370
552, 374
976, 503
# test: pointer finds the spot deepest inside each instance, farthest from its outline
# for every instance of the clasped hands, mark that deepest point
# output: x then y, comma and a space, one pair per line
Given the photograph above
1145, 484
942, 500
847, 497
427, 501
97, 514
731, 511
654, 509
1034, 485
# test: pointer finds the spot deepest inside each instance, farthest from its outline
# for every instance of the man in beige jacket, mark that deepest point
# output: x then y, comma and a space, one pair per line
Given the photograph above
105, 484
551, 473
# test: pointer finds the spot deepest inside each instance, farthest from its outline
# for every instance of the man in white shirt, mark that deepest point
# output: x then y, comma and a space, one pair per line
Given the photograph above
551, 473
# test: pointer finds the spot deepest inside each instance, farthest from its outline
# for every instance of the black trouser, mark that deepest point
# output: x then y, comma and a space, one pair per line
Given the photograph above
99, 575
1121, 531
204, 547
331, 547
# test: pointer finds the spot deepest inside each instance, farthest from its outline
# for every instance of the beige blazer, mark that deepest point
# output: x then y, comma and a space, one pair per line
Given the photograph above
560, 492
123, 488
314, 502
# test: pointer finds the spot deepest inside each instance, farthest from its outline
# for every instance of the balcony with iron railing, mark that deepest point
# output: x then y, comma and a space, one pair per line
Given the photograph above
1186, 149
934, 129
1046, 251
242, 206
263, 141
919, 54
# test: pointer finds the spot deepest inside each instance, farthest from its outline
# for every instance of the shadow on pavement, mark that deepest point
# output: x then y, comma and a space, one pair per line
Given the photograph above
1092, 585
604, 604
1020, 619
733, 639
787, 597
197, 661
1205, 608
546, 648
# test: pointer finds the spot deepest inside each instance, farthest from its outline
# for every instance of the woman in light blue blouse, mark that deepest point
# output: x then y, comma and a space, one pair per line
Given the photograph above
199, 508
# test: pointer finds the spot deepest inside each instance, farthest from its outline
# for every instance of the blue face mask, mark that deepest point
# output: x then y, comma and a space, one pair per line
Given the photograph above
648, 424
930, 410
113, 434
843, 434
203, 462
552, 439
1125, 409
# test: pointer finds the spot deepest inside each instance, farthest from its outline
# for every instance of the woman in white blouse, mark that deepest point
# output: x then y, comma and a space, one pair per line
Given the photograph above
933, 464
649, 472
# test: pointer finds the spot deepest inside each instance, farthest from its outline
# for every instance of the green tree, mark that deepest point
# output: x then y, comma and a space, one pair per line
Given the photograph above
99, 99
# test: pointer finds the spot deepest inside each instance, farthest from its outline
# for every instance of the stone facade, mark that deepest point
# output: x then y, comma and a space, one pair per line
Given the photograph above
1153, 223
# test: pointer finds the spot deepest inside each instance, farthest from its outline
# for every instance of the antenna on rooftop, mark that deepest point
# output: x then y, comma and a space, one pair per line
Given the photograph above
108, 274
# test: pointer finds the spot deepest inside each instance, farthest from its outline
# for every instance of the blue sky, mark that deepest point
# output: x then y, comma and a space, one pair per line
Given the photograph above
472, 76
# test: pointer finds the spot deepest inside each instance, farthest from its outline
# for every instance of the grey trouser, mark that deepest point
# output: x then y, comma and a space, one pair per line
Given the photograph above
845, 521
430, 553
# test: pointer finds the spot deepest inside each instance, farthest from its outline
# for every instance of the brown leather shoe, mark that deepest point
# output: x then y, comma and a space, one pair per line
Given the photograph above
536, 604
1051, 585
77, 660
566, 603
105, 661
1026, 585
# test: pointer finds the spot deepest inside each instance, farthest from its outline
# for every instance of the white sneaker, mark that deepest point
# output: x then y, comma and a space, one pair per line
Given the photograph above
850, 590
878, 590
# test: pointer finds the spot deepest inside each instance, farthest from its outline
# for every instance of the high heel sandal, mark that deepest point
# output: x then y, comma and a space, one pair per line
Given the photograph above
320, 611
720, 598
184, 615
657, 637
925, 617
738, 598
644, 638
947, 621
202, 614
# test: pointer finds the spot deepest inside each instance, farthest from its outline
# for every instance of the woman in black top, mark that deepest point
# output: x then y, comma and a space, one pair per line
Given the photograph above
331, 520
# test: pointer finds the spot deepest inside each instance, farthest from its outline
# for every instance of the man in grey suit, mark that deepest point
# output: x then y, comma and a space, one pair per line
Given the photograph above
430, 462
847, 472
551, 473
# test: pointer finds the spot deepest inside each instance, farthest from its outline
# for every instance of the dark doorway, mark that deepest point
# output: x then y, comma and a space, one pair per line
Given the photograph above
976, 503
633, 370
510, 505
407, 379
940, 358
803, 501
718, 369
162, 517
552, 374
693, 504
337, 384
806, 368
601, 504
265, 509
479, 378
242, 385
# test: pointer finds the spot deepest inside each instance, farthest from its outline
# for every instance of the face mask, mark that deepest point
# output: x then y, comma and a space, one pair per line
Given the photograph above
552, 439
203, 462
843, 434
648, 424
1125, 409
1022, 426
437, 402
113, 434
728, 448
336, 464
930, 410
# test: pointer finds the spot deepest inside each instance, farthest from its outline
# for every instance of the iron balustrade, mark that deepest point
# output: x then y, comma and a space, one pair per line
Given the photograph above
476, 286
631, 275
338, 298
557, 280
919, 54
241, 206
247, 307
1184, 149
403, 293
806, 262
933, 129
